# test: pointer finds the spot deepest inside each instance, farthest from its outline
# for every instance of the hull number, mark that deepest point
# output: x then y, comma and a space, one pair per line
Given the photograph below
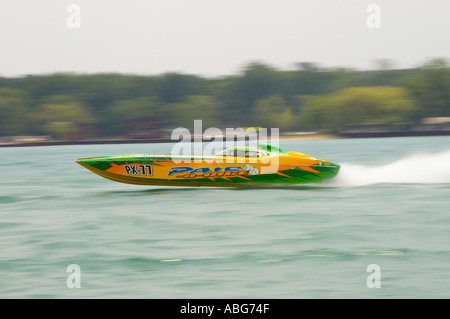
141, 170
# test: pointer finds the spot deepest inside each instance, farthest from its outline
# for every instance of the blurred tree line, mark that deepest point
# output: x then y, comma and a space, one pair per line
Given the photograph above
307, 98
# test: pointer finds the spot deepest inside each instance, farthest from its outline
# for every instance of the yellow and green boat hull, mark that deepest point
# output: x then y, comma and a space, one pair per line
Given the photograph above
284, 168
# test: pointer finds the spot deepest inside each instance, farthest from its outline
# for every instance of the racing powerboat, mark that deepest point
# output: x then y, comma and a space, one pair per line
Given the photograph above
234, 166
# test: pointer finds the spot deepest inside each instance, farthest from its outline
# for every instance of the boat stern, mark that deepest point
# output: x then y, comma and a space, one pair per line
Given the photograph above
328, 169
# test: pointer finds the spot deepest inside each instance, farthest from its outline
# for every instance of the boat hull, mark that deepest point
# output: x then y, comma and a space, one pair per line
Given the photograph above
211, 171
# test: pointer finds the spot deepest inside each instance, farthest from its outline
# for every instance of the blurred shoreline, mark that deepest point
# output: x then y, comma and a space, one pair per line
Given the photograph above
148, 140
31, 143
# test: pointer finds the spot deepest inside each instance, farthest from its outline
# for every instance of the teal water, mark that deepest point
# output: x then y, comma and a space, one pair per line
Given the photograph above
389, 206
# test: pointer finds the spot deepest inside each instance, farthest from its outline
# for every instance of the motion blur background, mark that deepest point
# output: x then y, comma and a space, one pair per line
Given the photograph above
137, 69
82, 71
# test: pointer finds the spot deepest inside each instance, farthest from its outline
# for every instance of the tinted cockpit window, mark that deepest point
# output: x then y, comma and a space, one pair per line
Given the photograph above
231, 152
251, 154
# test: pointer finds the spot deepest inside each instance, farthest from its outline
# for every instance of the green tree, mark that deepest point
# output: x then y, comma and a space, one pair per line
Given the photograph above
14, 116
174, 87
257, 82
431, 87
121, 112
203, 108
362, 105
59, 117
272, 112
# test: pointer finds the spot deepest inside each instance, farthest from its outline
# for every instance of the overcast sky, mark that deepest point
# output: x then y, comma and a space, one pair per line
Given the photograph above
217, 37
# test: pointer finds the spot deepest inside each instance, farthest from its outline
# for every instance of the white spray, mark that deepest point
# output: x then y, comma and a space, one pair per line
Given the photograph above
417, 169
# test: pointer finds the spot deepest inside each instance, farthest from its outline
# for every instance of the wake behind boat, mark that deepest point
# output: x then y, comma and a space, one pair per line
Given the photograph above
235, 166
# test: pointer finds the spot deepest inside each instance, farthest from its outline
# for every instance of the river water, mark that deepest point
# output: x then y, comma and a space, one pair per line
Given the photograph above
380, 229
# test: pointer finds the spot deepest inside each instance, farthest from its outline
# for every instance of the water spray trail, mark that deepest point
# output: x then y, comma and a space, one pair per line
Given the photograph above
417, 169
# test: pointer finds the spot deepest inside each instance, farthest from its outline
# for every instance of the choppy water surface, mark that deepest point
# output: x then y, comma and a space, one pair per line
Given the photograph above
389, 206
